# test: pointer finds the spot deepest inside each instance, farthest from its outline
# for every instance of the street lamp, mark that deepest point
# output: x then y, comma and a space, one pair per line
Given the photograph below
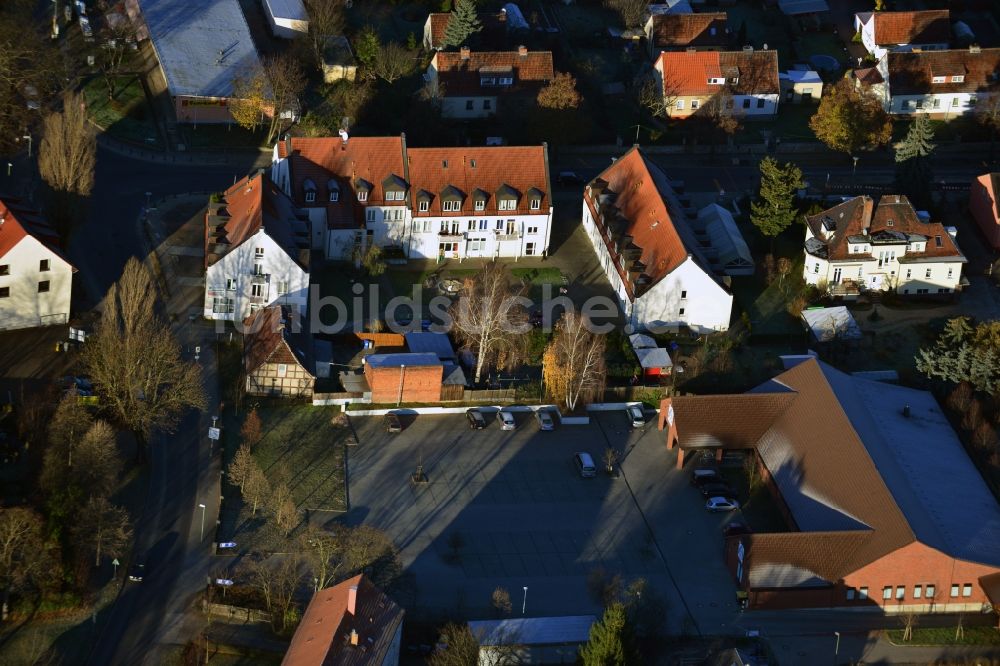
202, 507
402, 373
27, 137
854, 170
836, 648
524, 601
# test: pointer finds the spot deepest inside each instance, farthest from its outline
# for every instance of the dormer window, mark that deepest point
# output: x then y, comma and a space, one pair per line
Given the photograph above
734, 80
507, 197
334, 196
333, 187
362, 195
424, 206
716, 81
958, 79
507, 204
536, 204
888, 223
450, 206
310, 190
937, 79
394, 188
480, 204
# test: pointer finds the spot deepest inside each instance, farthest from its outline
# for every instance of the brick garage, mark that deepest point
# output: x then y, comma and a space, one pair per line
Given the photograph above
397, 378
884, 507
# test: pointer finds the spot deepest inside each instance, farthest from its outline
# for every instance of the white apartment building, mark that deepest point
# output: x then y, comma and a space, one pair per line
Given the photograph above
36, 280
862, 245
943, 84
420, 203
882, 32
257, 251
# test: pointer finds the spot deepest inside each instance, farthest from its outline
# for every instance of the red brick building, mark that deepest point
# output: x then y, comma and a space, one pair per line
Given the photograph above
883, 506
411, 377
984, 206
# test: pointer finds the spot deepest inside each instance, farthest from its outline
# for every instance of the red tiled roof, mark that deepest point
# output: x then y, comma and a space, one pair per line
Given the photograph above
644, 216
19, 221
479, 171
681, 30
688, 72
460, 76
855, 217
919, 27
912, 73
494, 27
265, 340
869, 76
323, 637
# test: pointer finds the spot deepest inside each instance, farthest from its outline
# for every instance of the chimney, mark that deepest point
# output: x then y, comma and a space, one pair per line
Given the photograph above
354, 637
464, 53
522, 50
352, 599
288, 144
974, 48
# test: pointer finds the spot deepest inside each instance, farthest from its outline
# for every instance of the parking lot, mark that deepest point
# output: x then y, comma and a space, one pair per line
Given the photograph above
510, 509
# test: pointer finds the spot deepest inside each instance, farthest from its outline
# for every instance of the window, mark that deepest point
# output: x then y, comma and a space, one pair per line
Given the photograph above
681, 312
334, 196
532, 230
507, 204
929, 592
43, 286
746, 104
223, 305
257, 290
426, 226
258, 269
282, 369
43, 265
535, 204
472, 225
529, 249
950, 269
258, 252
230, 284
4, 292
684, 294
680, 105
363, 195
499, 225
480, 204
450, 206
937, 241
483, 224
927, 273
936, 103
954, 101
967, 590
958, 79
807, 91
760, 102
863, 593
908, 273
887, 592
310, 196
370, 214
937, 79
4, 269
850, 594
423, 206
282, 287
694, 104
954, 591
716, 81
469, 104
487, 105
816, 268
900, 592
917, 591
444, 226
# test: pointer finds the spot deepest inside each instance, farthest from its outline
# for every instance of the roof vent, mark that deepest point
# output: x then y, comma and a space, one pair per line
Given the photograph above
748, 49
906, 411
974, 48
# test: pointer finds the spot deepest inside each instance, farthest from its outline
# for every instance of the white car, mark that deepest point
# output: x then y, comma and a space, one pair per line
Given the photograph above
635, 416
545, 421
506, 420
721, 504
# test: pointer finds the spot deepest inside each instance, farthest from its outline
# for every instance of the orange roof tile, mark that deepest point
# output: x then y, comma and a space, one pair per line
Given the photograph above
919, 27
494, 27
682, 30
479, 172
912, 73
688, 72
460, 76
18, 221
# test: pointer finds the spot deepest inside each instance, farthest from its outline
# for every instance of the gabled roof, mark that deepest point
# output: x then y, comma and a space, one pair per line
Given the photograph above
18, 221
460, 75
991, 184
493, 32
912, 73
538, 631
269, 339
323, 637
859, 220
248, 206
480, 168
688, 72
683, 30
919, 27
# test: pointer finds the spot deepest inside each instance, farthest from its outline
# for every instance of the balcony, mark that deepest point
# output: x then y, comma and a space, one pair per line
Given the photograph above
451, 236
258, 300
509, 237
260, 278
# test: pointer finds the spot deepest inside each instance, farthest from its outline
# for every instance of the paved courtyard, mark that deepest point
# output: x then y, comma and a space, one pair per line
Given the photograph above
509, 509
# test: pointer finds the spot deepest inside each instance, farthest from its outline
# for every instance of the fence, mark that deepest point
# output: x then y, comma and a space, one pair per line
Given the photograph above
238, 613
637, 393
489, 395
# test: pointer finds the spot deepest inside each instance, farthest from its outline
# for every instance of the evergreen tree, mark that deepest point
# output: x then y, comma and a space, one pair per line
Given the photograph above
913, 168
610, 641
462, 24
774, 208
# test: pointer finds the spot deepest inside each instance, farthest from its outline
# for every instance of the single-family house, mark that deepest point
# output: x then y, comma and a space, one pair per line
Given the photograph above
352, 623
492, 36
276, 355
800, 84
679, 31
36, 279
531, 640
287, 18
746, 82
649, 251
256, 251
924, 30
471, 84
984, 206
943, 84
883, 245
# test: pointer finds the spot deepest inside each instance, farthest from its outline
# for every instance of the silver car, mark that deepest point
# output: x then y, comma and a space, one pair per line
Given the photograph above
545, 421
506, 420
721, 504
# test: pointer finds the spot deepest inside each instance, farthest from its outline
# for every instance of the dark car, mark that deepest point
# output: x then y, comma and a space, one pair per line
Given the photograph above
735, 528
708, 476
715, 490
569, 178
476, 419
136, 572
392, 422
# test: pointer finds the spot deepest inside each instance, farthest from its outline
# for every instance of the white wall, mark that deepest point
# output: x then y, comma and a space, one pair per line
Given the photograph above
457, 107
770, 105
951, 104
25, 307
478, 242
239, 265
688, 295
285, 27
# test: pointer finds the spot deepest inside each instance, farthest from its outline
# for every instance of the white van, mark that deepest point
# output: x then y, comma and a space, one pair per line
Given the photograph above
585, 464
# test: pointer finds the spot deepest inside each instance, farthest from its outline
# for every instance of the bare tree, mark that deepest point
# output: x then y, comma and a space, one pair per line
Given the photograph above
286, 515
276, 579
135, 360
909, 620
988, 115
347, 551
256, 488
972, 416
23, 558
252, 430
114, 55
961, 397
573, 366
92, 466
610, 459
103, 529
784, 268
240, 466
67, 155
69, 424
984, 437
392, 62
657, 93
287, 84
489, 318
326, 19
501, 601
632, 12
457, 646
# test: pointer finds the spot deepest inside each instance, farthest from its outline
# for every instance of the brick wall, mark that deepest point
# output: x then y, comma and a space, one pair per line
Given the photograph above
420, 383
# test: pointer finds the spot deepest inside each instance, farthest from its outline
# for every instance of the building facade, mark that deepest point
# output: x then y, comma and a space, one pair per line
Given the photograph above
744, 83
862, 245
275, 358
882, 32
942, 84
36, 280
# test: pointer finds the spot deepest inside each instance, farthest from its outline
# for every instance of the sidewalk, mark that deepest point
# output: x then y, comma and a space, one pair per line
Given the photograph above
227, 157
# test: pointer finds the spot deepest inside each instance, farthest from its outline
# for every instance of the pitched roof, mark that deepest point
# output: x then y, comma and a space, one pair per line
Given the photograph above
494, 27
912, 73
480, 172
249, 205
18, 221
360, 162
699, 425
688, 72
560, 630
682, 30
460, 75
324, 636
268, 339
919, 27
991, 184
894, 219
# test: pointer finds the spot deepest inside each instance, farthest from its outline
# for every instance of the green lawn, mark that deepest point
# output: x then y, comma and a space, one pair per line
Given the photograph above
946, 636
817, 43
127, 116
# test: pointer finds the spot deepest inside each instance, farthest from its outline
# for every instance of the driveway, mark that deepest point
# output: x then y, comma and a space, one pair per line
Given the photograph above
526, 518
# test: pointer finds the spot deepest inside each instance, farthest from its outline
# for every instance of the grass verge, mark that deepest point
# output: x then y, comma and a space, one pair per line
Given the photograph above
127, 115
945, 636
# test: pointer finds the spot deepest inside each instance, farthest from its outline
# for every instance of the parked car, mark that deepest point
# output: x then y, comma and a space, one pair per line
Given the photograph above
136, 572
506, 420
716, 490
392, 422
721, 504
735, 527
569, 178
476, 419
585, 464
703, 476
545, 420
636, 417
